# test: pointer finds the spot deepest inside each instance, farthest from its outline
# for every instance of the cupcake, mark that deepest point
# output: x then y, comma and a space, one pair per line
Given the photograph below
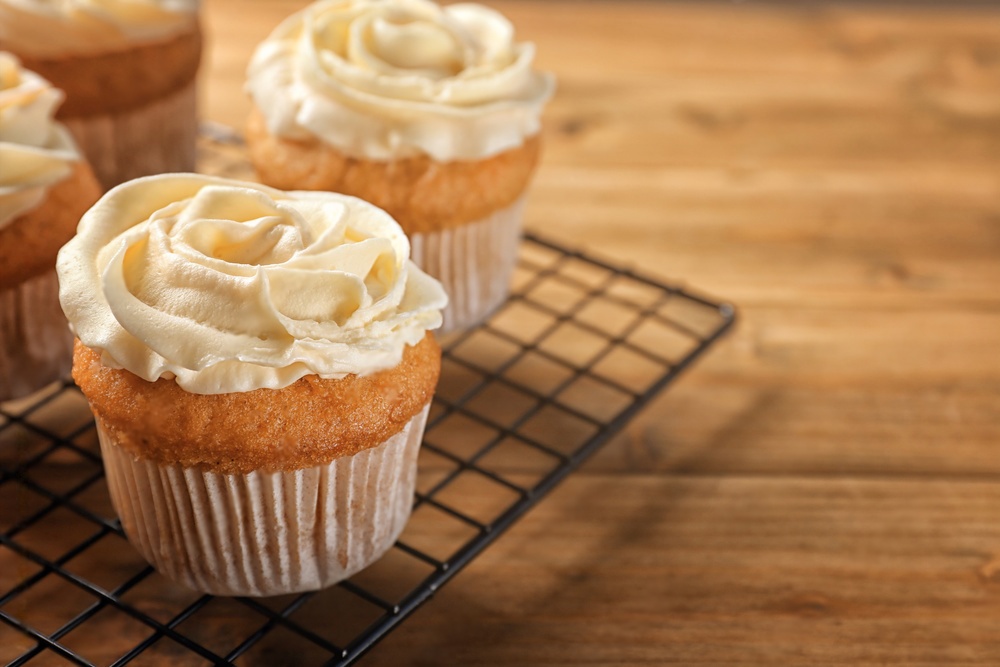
430, 113
45, 186
260, 368
128, 69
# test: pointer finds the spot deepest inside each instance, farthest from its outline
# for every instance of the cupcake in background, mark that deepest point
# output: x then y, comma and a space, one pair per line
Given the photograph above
128, 70
430, 113
260, 368
45, 186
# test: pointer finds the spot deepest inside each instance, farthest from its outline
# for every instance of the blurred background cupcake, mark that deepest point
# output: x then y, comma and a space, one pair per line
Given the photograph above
430, 113
128, 69
45, 186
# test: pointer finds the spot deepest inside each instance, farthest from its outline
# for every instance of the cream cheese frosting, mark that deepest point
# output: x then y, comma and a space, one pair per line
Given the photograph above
381, 79
42, 28
36, 152
229, 286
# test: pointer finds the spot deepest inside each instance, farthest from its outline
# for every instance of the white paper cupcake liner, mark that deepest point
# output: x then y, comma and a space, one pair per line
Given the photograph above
154, 139
474, 263
265, 533
36, 346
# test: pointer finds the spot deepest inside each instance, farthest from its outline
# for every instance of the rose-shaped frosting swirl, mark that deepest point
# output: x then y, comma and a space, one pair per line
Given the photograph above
35, 151
54, 27
230, 286
386, 78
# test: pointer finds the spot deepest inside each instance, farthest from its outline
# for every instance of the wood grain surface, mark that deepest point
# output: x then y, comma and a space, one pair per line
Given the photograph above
824, 488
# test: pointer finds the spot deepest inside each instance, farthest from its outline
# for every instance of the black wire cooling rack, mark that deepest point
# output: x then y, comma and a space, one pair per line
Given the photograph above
579, 348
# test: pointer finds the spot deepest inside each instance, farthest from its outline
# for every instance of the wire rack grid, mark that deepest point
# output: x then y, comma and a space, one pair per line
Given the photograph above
579, 348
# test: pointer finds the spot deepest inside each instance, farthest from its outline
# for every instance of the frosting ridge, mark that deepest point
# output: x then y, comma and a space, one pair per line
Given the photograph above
229, 286
386, 78
36, 152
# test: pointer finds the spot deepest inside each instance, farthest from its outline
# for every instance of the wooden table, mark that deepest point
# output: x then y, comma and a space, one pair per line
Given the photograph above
825, 486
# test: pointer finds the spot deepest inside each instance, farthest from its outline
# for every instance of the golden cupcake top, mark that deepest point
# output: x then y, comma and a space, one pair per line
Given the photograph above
36, 152
386, 78
71, 27
228, 286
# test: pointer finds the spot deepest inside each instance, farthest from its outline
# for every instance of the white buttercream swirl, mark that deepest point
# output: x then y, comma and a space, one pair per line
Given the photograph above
386, 78
55, 27
230, 286
35, 151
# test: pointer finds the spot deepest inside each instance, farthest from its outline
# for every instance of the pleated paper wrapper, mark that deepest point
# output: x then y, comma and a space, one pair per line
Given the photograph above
157, 138
36, 346
265, 533
474, 262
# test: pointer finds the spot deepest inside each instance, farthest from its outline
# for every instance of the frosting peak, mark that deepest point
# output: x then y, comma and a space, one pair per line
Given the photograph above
385, 78
51, 27
229, 286
35, 151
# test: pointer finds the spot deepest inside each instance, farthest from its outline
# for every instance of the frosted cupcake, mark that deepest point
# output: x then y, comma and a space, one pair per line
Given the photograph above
128, 69
430, 113
260, 367
45, 186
